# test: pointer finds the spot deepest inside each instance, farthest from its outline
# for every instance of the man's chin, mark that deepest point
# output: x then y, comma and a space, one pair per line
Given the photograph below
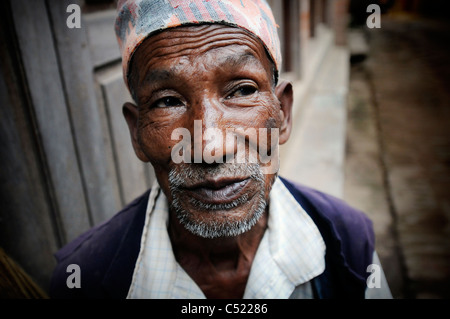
221, 220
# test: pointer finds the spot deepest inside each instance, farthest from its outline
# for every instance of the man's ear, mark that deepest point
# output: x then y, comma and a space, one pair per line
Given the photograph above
131, 114
285, 95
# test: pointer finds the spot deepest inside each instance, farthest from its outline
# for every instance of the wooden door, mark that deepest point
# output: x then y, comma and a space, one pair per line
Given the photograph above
67, 160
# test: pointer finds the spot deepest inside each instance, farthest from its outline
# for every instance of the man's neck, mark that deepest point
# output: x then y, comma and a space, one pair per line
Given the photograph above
220, 266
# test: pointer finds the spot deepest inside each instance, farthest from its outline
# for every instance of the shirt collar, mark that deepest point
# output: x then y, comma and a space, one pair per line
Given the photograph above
292, 250
295, 241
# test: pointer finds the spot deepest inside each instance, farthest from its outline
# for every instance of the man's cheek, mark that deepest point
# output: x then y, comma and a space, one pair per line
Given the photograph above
156, 144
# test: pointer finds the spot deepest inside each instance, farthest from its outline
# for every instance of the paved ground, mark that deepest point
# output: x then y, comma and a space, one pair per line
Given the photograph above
397, 165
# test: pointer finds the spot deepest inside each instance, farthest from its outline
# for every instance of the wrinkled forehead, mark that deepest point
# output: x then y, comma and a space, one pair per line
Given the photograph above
217, 41
193, 49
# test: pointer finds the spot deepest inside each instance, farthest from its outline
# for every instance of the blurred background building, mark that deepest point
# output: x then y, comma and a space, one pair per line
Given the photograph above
68, 164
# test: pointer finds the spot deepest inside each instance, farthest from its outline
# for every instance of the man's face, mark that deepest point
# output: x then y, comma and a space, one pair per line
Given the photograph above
222, 77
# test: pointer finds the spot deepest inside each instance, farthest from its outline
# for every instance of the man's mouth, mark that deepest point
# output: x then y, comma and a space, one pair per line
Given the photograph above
221, 190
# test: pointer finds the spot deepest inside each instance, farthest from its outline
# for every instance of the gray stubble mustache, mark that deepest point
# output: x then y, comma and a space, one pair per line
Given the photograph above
185, 174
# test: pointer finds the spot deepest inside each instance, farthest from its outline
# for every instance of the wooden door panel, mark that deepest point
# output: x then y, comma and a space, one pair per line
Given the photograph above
133, 178
102, 39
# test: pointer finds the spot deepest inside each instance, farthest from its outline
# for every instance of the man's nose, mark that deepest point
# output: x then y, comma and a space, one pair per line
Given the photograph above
212, 141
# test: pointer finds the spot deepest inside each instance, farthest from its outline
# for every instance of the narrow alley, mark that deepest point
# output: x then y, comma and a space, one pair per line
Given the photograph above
397, 165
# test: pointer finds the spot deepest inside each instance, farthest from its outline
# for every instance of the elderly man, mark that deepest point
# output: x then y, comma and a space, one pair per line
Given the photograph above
219, 222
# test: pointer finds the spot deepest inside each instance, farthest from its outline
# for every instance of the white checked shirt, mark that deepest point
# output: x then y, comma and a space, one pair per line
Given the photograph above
291, 253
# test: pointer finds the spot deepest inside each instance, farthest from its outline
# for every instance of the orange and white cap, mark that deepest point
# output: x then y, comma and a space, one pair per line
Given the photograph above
138, 19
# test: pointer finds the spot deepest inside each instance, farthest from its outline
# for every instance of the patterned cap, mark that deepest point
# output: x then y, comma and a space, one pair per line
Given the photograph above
138, 19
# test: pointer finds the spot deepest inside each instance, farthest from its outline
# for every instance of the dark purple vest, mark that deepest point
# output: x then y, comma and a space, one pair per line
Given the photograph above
107, 253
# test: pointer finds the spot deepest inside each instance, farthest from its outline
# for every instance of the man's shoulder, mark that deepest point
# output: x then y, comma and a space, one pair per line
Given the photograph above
330, 208
347, 232
96, 250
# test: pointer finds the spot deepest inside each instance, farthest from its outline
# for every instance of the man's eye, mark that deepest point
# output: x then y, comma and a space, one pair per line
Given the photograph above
243, 91
167, 102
